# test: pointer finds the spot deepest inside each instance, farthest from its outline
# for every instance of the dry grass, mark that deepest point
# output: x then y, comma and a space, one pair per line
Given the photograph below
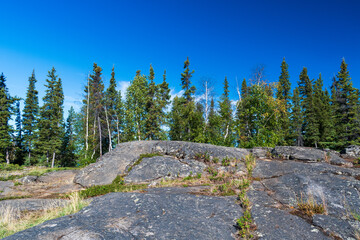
13, 220
310, 207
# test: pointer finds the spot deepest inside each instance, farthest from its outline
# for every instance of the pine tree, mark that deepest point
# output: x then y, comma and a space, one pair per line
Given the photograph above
283, 95
310, 126
244, 88
30, 117
51, 119
6, 129
296, 120
120, 112
225, 112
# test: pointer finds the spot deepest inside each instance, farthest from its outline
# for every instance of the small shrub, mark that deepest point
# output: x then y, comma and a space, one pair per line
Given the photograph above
18, 184
244, 224
203, 157
250, 163
216, 159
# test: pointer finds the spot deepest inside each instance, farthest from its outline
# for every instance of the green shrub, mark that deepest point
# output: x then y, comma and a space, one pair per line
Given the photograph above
225, 161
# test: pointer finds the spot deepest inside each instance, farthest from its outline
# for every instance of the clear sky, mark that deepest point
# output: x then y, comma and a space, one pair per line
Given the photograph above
221, 38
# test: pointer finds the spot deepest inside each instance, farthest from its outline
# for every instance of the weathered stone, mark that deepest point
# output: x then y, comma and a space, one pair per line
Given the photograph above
163, 166
352, 151
307, 154
115, 162
32, 204
273, 223
65, 176
164, 215
261, 152
5, 187
28, 179
334, 226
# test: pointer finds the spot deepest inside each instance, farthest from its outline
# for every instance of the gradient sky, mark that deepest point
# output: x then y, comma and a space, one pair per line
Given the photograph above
221, 38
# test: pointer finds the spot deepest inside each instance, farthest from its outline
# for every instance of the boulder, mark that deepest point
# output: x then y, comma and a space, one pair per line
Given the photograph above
154, 168
352, 151
168, 214
28, 179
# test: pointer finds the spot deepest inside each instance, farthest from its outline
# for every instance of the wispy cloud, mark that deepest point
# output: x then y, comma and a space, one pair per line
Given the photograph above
72, 101
122, 86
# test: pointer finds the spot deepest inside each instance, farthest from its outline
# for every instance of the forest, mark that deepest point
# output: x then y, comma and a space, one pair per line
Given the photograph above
265, 114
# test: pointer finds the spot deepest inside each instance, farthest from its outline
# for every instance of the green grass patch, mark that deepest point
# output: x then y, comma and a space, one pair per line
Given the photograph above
14, 197
117, 185
142, 156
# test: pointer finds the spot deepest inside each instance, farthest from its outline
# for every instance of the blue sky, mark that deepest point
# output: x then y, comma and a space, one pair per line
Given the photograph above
221, 38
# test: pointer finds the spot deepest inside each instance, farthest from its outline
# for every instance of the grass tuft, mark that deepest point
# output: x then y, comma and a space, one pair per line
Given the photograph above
12, 220
310, 207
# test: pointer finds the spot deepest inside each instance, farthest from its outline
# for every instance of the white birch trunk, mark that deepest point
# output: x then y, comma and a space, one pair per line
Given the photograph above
109, 132
53, 160
100, 144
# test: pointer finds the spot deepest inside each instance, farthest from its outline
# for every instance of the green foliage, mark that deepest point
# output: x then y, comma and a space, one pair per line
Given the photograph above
258, 118
116, 186
10, 167
225, 161
226, 119
6, 130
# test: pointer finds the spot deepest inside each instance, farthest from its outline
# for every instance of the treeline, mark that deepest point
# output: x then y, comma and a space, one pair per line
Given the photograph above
265, 114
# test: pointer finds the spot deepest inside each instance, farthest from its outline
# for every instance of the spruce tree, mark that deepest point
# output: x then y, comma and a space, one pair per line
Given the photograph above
184, 110
212, 134
6, 129
19, 148
68, 143
283, 95
310, 125
110, 108
30, 117
345, 103
296, 120
225, 112
51, 119
186, 82
152, 125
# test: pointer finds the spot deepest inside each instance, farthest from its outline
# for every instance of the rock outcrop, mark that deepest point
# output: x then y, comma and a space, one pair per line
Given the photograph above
115, 163
165, 214
294, 193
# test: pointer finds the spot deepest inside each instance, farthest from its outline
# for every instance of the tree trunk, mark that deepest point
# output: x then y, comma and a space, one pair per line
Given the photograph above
100, 144
118, 130
87, 121
109, 132
53, 160
92, 156
7, 157
206, 103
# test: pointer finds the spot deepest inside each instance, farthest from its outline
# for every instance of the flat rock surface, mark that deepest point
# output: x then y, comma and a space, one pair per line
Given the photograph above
163, 166
32, 204
163, 215
308, 154
280, 185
